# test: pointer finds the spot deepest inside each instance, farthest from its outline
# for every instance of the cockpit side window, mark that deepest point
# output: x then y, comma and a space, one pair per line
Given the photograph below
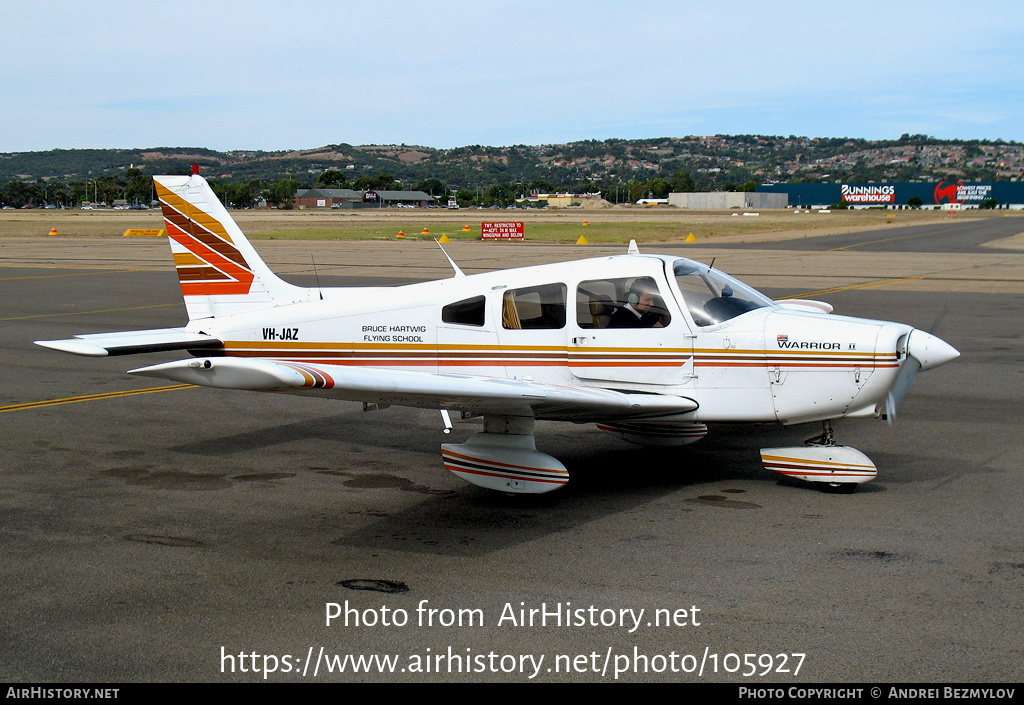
626, 302
713, 297
536, 307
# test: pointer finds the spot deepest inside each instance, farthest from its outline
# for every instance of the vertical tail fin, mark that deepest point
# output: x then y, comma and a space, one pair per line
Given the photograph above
219, 271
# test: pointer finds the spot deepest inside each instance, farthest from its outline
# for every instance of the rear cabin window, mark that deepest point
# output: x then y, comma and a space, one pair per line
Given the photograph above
534, 307
468, 312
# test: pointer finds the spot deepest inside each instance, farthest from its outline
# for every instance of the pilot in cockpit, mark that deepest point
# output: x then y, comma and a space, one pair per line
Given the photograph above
644, 309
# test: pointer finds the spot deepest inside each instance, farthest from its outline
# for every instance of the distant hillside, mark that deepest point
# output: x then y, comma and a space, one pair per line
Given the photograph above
702, 163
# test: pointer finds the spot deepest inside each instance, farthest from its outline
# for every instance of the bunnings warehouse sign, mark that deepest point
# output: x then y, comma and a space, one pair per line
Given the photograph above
897, 194
959, 192
868, 194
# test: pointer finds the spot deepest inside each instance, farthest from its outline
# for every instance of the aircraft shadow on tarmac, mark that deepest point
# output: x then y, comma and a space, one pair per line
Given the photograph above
608, 477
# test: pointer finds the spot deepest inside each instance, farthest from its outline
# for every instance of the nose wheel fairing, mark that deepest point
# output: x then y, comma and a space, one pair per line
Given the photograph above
820, 460
833, 465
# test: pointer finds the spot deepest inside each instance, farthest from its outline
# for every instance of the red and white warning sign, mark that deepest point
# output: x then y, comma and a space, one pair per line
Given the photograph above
502, 231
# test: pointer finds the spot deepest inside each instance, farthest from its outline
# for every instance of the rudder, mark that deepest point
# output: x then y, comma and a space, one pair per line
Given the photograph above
219, 271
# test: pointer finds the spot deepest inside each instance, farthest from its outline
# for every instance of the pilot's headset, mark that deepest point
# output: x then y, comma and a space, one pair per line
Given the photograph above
637, 289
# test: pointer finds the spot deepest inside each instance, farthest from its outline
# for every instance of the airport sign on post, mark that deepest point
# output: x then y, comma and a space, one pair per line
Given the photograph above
502, 231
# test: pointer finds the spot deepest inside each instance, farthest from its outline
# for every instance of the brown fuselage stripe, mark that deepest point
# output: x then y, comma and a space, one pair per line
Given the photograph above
420, 356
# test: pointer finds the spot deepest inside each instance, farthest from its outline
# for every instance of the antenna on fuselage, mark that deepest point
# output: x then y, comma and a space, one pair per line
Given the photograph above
317, 275
632, 249
458, 272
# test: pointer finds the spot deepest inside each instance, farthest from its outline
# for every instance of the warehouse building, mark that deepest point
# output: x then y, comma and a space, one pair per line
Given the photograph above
321, 198
723, 200
941, 194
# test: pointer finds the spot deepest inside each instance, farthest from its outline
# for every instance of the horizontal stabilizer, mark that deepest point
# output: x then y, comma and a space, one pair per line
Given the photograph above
420, 389
132, 342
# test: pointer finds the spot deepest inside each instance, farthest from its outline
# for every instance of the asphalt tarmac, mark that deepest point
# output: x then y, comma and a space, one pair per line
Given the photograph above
958, 234
152, 533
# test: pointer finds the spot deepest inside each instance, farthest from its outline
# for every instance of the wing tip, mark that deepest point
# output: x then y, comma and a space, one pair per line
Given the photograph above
75, 347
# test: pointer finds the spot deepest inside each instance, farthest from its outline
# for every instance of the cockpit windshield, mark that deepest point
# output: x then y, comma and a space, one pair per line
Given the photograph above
712, 296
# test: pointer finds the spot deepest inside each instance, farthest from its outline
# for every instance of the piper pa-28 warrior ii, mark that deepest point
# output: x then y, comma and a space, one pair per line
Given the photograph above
650, 347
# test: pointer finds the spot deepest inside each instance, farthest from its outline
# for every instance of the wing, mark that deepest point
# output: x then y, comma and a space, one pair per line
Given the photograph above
421, 389
132, 342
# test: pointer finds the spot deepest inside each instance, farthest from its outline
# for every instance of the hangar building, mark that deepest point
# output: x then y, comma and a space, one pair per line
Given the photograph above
312, 198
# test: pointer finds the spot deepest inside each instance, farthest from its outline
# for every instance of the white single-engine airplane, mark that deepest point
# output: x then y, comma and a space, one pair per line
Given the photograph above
650, 347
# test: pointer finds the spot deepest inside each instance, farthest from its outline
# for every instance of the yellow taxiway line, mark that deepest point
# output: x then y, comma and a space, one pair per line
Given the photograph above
867, 285
57, 276
81, 313
848, 248
93, 397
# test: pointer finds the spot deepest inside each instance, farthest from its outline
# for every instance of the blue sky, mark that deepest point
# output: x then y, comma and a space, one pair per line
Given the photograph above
260, 75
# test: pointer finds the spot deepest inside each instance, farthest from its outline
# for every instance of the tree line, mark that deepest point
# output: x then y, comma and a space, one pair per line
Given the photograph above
134, 188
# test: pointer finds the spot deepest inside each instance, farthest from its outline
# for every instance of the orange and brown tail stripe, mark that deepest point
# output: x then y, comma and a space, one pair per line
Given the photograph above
213, 264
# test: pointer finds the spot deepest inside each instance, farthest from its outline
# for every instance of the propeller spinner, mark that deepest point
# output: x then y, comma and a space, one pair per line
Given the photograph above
923, 351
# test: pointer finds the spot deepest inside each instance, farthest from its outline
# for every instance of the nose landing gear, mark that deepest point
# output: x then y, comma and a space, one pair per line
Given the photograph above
833, 468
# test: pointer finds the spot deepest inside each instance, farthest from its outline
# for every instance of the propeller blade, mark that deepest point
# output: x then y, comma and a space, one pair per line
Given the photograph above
900, 387
924, 351
906, 377
942, 314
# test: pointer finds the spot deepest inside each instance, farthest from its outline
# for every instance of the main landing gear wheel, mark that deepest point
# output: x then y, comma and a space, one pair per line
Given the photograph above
838, 487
